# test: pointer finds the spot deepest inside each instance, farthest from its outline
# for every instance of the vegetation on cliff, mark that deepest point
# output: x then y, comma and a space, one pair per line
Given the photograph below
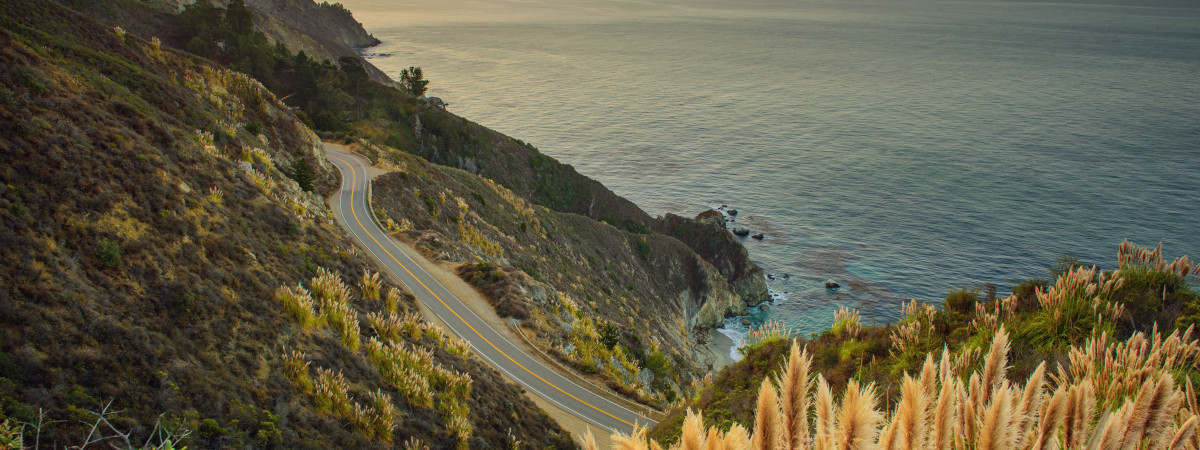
164, 267
1097, 350
565, 277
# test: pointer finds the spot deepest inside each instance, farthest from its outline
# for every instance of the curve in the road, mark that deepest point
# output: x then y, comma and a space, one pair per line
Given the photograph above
501, 353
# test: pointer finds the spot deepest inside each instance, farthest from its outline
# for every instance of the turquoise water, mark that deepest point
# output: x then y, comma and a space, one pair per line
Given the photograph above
903, 148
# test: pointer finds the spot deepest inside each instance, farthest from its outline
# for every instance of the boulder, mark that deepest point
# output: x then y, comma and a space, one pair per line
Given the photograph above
764, 307
759, 236
645, 376
741, 231
732, 212
746, 322
830, 284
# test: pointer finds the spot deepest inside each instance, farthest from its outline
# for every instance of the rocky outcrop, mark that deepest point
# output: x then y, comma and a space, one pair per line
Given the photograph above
712, 300
323, 31
707, 236
330, 22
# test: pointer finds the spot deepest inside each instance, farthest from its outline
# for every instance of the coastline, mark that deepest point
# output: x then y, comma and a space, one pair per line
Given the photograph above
721, 347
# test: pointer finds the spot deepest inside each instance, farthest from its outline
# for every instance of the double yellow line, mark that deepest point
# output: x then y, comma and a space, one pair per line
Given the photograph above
353, 183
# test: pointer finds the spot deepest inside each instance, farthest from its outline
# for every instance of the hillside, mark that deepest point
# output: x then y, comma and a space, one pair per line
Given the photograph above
171, 265
446, 139
1110, 339
324, 31
566, 278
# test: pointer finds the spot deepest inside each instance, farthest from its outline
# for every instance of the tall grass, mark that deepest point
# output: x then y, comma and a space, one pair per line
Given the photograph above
369, 285
405, 368
299, 303
392, 300
847, 321
770, 331
331, 394
1108, 395
295, 366
1081, 303
1143, 268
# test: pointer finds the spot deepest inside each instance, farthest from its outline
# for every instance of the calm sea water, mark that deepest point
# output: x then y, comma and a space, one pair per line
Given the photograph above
902, 148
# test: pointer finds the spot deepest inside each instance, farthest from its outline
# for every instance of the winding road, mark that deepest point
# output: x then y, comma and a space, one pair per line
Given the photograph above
536, 377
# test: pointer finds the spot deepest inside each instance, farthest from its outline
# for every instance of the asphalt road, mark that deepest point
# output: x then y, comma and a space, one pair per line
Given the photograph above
487, 343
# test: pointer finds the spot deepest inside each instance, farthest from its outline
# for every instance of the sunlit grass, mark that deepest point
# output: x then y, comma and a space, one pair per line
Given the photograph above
1112, 395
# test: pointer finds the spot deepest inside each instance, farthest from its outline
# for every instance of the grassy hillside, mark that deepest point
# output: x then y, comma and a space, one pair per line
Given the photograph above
153, 210
340, 101
1062, 331
566, 277
337, 98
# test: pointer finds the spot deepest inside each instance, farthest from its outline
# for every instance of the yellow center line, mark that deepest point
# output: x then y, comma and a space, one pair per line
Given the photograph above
353, 183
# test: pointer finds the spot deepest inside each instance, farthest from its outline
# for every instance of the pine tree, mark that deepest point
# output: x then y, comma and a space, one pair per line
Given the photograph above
413, 80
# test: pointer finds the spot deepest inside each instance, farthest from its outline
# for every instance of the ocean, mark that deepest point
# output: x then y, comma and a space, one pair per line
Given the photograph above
902, 148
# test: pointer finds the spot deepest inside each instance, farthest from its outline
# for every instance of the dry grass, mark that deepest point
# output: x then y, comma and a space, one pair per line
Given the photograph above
331, 394
369, 285
847, 321
299, 302
391, 300
769, 331
295, 365
1109, 395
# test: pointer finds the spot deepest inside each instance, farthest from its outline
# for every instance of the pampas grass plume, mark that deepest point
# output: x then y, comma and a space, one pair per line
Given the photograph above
766, 418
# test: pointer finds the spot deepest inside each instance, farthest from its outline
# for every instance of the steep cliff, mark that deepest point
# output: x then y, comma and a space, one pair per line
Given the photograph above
708, 237
326, 22
323, 31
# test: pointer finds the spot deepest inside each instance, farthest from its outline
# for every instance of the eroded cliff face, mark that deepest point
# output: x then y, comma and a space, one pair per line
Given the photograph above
708, 237
712, 301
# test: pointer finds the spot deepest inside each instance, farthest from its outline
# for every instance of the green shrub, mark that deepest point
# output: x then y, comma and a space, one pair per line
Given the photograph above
200, 46
110, 253
962, 301
1027, 290
268, 435
254, 128
30, 81
610, 336
301, 173
210, 429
